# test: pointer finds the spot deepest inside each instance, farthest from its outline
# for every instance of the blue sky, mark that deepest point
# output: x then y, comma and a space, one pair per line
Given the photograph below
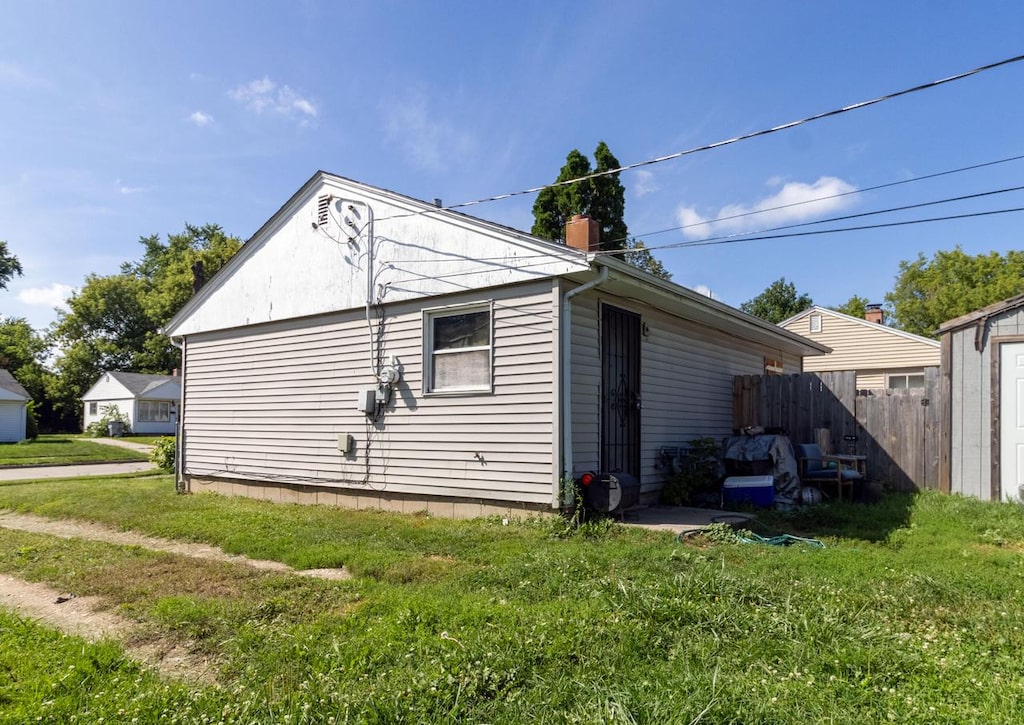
125, 119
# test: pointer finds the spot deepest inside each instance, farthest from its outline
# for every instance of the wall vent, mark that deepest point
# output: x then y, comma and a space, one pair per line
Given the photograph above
323, 210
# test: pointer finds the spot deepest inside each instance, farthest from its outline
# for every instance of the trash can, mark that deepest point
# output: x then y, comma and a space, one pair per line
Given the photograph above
115, 428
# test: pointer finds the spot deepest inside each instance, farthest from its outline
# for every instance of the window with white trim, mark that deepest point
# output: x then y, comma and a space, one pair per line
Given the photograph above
815, 323
154, 411
457, 350
93, 406
902, 381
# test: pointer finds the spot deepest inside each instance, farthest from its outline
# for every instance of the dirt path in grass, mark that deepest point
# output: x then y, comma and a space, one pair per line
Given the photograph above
84, 617
69, 529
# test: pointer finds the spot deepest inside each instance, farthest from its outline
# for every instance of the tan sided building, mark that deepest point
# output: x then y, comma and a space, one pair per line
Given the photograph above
882, 356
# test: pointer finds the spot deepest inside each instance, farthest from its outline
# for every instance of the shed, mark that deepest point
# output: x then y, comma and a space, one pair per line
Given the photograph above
983, 379
149, 401
14, 401
368, 349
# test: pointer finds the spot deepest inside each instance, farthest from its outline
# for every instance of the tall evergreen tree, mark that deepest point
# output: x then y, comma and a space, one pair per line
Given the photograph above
602, 198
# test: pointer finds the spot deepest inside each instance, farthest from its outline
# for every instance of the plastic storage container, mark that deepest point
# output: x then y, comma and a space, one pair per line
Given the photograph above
756, 490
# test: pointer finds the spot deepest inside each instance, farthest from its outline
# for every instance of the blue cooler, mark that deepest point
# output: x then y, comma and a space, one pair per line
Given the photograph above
755, 490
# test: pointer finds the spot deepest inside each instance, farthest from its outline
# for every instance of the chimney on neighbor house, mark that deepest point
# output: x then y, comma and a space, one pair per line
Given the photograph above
582, 232
873, 313
198, 277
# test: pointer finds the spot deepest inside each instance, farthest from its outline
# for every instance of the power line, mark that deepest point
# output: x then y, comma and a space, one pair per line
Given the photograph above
730, 141
824, 198
738, 236
909, 222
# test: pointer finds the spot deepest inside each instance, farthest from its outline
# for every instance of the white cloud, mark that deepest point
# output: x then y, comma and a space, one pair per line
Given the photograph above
53, 296
200, 119
14, 74
128, 190
643, 183
794, 202
430, 142
705, 290
264, 95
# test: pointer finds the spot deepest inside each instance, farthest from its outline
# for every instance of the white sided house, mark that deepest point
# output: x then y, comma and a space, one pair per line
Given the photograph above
149, 401
882, 356
14, 401
367, 349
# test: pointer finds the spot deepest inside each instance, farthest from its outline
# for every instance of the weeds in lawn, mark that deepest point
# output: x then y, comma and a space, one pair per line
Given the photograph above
910, 615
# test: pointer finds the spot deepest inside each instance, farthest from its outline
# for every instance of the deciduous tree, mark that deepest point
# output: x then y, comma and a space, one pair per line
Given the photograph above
856, 306
778, 302
930, 291
113, 322
9, 266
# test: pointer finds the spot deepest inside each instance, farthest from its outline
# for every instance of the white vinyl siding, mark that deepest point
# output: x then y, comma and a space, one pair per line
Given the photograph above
687, 373
267, 403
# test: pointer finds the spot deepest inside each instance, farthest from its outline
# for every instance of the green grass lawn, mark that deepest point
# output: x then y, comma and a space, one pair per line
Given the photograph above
910, 614
145, 439
59, 449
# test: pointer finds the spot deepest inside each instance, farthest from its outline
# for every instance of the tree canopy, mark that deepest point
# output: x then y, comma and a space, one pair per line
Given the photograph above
9, 266
601, 198
856, 306
778, 302
929, 292
114, 321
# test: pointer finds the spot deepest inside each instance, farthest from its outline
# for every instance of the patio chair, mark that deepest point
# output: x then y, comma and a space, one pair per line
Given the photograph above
832, 469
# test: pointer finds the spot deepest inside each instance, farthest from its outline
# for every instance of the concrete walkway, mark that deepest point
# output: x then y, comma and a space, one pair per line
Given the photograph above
32, 473
681, 519
126, 443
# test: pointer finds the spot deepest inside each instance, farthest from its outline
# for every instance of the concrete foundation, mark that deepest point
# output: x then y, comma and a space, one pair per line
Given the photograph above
279, 492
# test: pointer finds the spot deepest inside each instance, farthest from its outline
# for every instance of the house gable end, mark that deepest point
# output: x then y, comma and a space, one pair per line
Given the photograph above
314, 257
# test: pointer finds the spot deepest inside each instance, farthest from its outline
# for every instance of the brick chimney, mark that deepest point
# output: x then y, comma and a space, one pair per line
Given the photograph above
873, 313
583, 233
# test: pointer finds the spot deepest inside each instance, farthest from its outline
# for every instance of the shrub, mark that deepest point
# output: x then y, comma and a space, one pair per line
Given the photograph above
163, 454
110, 413
698, 472
31, 421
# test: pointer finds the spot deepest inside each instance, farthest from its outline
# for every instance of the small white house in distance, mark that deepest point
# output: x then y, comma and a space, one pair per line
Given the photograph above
13, 414
882, 356
368, 349
149, 401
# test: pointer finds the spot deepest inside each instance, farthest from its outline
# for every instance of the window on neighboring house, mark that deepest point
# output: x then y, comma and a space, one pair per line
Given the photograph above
154, 411
902, 381
93, 408
815, 324
457, 349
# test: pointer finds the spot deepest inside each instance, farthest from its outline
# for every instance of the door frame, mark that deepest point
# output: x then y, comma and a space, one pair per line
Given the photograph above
995, 399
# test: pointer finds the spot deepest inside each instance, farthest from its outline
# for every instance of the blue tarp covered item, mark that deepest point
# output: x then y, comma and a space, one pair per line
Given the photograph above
774, 448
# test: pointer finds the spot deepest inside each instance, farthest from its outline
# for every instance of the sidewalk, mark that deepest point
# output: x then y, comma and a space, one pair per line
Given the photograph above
125, 443
32, 473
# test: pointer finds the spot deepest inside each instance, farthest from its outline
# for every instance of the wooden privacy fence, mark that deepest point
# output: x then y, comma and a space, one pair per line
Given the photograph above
897, 430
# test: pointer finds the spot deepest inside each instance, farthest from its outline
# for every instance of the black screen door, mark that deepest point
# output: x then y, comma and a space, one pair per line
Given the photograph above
620, 391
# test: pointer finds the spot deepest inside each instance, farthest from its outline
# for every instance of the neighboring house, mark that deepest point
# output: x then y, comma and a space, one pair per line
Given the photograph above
982, 451
882, 356
14, 401
371, 350
149, 401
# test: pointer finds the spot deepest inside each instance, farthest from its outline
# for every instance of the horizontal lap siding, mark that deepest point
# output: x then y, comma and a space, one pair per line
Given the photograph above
269, 402
686, 383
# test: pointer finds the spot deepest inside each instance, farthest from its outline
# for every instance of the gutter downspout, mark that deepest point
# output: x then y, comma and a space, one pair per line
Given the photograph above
179, 426
566, 346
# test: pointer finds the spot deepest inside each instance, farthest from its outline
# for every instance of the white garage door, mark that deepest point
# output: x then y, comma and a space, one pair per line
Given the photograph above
1011, 420
12, 421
